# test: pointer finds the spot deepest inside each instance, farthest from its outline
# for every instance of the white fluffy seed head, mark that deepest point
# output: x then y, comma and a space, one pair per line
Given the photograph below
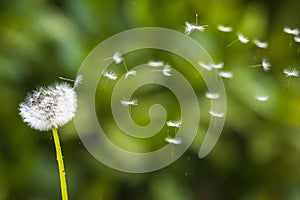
49, 107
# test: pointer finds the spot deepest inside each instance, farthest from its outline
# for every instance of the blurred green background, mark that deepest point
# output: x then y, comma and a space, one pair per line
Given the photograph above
258, 154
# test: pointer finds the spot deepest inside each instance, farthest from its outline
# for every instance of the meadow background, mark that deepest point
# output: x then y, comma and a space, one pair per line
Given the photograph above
258, 154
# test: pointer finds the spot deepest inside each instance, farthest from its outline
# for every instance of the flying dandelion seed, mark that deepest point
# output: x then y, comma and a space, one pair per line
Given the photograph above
130, 73
212, 95
291, 31
225, 29
167, 70
156, 63
176, 141
117, 57
264, 64
205, 66
126, 102
240, 37
189, 28
217, 66
226, 74
290, 72
111, 75
260, 98
176, 124
216, 114
262, 45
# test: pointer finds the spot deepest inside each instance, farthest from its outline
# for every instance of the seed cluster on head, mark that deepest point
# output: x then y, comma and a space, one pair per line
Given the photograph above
48, 107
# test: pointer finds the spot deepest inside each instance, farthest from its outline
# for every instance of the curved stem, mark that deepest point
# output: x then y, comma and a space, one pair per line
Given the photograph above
59, 157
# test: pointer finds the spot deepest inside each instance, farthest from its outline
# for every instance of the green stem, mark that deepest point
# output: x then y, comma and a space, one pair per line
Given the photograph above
59, 157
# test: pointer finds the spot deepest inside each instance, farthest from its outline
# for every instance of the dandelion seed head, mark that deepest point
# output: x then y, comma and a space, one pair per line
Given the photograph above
49, 107
260, 44
291, 31
262, 98
289, 72
243, 39
173, 140
225, 74
225, 29
110, 75
176, 124
212, 95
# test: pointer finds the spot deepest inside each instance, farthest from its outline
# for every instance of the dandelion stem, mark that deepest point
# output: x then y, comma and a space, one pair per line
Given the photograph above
196, 19
59, 157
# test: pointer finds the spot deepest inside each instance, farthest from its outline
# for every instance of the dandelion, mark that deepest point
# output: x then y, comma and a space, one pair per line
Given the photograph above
176, 124
175, 140
126, 102
130, 73
262, 45
265, 65
216, 114
240, 37
225, 29
48, 109
111, 75
225, 74
291, 31
291, 72
156, 63
212, 95
260, 98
